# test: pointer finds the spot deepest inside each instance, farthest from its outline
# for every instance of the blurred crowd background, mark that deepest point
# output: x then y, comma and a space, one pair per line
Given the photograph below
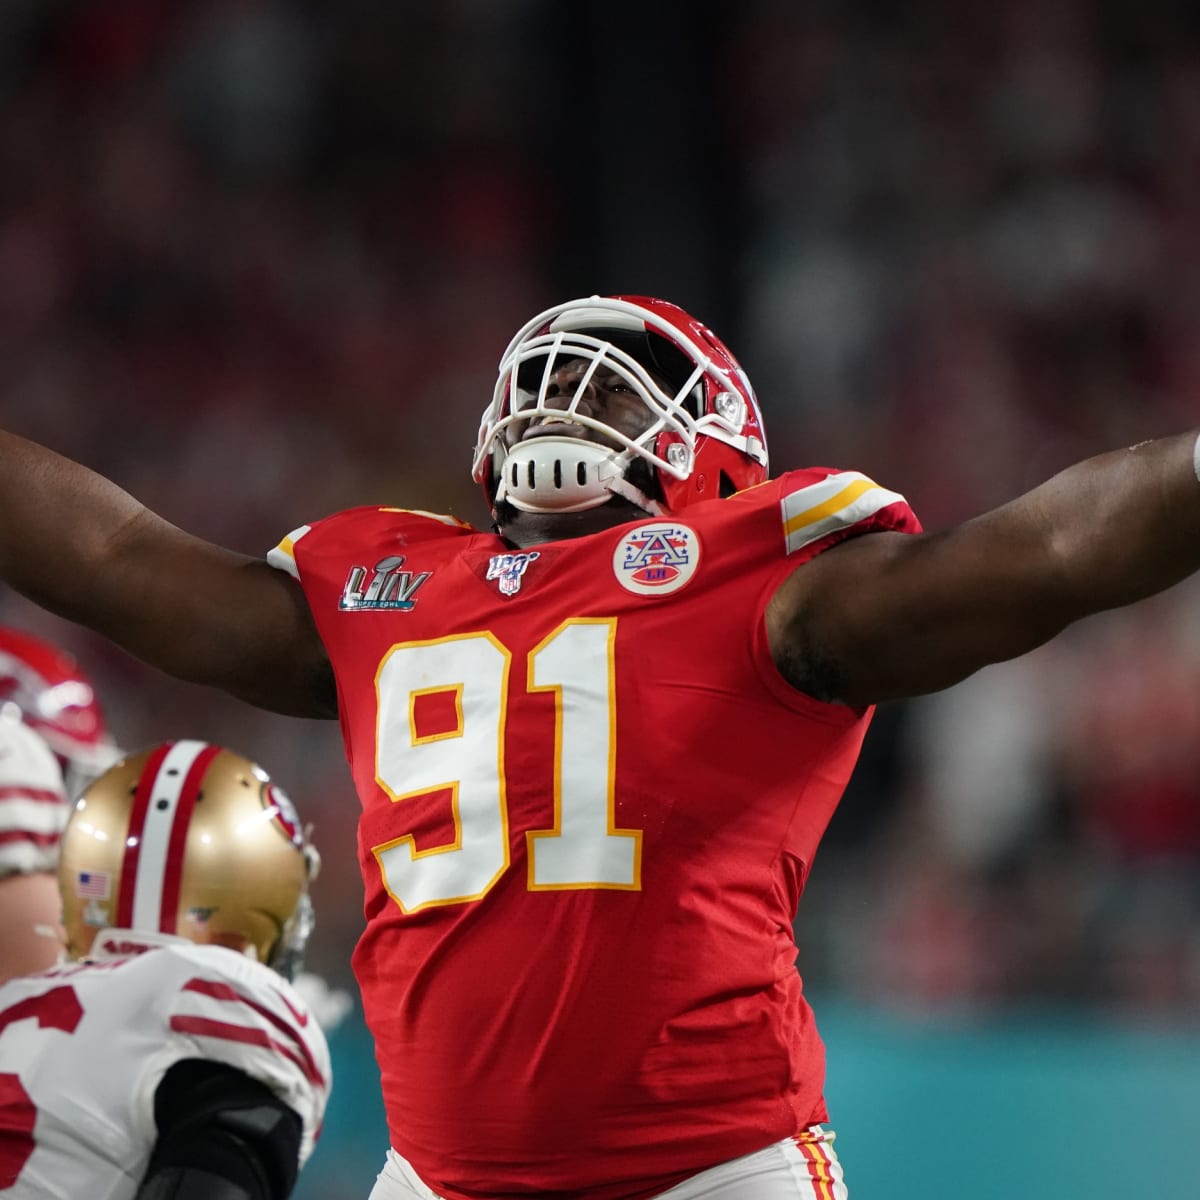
258, 260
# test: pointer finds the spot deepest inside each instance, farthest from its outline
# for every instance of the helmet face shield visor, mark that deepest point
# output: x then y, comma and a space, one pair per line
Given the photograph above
578, 459
528, 391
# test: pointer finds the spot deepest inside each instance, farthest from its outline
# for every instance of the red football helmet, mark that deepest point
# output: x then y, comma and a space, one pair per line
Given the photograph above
704, 440
57, 700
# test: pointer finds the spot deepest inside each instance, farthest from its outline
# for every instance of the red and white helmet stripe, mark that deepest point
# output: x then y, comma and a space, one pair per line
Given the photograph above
158, 825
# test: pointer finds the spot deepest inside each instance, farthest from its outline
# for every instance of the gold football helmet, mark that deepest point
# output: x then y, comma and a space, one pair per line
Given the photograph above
191, 839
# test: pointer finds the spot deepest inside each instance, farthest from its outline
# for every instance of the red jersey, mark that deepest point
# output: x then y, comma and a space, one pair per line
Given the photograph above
589, 805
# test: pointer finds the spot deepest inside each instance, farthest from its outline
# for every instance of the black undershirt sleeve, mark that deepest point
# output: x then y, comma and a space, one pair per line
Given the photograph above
221, 1136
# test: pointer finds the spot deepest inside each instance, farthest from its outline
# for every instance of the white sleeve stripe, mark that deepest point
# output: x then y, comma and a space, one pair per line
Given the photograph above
835, 503
28, 857
283, 556
282, 560
32, 816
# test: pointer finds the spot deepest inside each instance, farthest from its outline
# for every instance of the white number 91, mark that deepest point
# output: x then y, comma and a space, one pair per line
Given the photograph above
582, 849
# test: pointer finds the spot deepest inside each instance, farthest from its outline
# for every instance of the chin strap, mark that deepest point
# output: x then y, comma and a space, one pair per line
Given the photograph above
565, 474
623, 488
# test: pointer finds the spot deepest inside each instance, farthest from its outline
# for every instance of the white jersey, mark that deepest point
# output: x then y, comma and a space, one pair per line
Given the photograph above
33, 801
84, 1046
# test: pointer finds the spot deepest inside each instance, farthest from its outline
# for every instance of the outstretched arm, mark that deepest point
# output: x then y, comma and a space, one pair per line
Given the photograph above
75, 543
885, 615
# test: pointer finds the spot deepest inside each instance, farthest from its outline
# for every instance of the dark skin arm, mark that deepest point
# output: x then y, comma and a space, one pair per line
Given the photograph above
886, 615
76, 544
877, 618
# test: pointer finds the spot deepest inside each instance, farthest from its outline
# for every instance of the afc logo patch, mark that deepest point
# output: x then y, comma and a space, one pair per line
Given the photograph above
656, 559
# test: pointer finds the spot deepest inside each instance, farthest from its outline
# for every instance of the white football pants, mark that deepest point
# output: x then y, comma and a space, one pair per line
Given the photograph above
800, 1168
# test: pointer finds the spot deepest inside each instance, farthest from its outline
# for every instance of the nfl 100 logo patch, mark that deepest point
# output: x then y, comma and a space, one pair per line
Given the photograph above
509, 569
656, 559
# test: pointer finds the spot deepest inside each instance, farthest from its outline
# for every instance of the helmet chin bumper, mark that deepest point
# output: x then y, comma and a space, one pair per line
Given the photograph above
565, 474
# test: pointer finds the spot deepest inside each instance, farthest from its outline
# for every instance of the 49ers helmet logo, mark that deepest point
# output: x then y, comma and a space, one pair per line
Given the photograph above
285, 812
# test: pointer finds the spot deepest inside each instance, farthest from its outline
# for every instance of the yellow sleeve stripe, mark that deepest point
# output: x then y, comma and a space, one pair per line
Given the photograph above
283, 557
834, 503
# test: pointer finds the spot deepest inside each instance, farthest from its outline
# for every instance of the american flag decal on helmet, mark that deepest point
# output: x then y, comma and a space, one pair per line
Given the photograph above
93, 885
836, 502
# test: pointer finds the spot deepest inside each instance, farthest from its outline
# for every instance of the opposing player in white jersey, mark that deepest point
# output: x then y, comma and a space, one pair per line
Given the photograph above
169, 1059
33, 809
58, 701
53, 737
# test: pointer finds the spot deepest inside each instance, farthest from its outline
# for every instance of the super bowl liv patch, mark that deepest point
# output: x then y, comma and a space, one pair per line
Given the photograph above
389, 586
656, 559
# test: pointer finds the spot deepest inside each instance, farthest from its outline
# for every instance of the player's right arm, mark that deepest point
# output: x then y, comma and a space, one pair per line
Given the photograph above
221, 1136
239, 1111
77, 544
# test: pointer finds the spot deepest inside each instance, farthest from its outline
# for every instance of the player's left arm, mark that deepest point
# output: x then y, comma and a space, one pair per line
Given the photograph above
887, 615
221, 1136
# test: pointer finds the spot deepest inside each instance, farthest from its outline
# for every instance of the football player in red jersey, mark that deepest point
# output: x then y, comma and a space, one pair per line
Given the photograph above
596, 747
